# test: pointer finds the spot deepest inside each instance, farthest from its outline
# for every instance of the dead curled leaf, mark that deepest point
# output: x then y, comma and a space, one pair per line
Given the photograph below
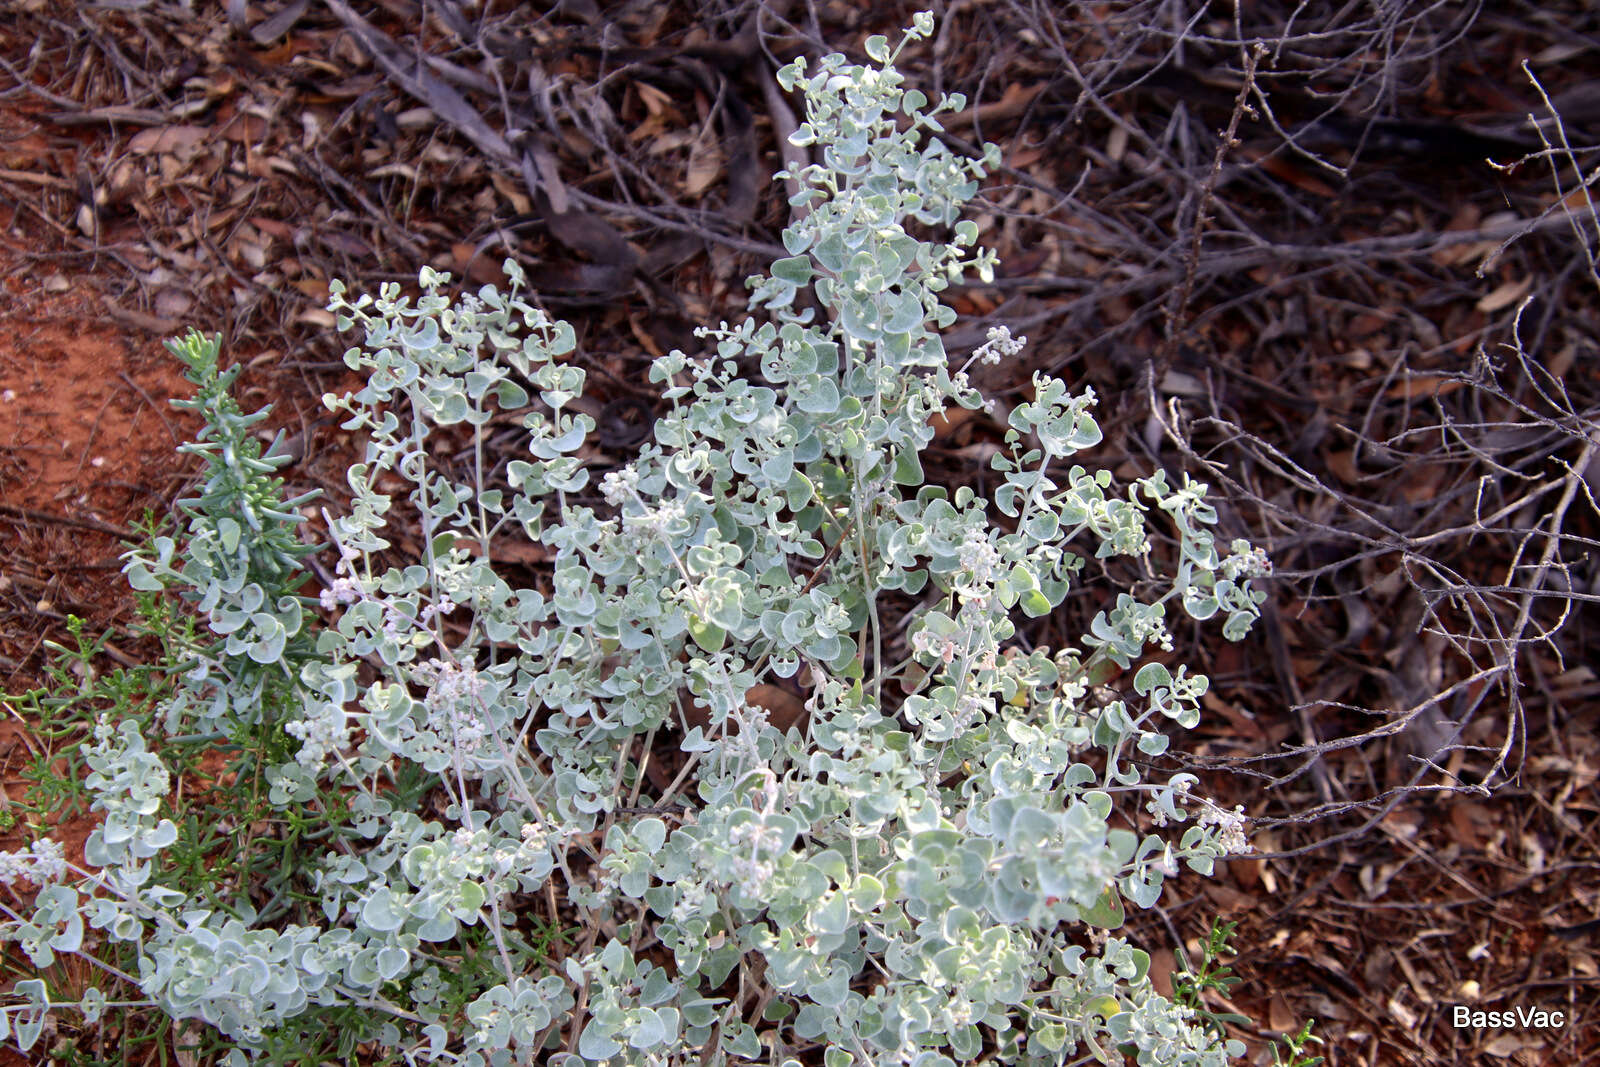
1504, 296
168, 140
705, 166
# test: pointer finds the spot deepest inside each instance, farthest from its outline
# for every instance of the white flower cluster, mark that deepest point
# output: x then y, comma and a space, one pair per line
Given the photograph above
342, 591
691, 897
44, 862
656, 521
972, 708
758, 835
534, 835
999, 345
321, 734
1247, 562
980, 562
753, 875
619, 486
444, 607
455, 692
450, 683
391, 622
1230, 823
470, 855
1150, 628
530, 853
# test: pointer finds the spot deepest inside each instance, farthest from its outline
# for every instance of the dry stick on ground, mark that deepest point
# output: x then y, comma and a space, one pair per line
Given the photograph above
137, 388
455, 111
15, 512
312, 166
416, 80
1191, 262
1471, 689
1506, 655
1363, 253
94, 431
1563, 198
1280, 654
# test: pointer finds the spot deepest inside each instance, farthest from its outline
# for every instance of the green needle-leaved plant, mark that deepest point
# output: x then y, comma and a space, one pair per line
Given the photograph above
923, 869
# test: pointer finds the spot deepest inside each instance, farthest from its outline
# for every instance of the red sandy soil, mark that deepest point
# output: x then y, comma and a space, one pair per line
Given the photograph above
87, 446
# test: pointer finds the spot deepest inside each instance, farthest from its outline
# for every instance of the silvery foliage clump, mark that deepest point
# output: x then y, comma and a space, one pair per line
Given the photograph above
925, 866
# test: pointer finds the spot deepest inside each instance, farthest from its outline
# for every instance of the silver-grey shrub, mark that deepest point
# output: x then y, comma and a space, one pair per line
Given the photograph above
900, 878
